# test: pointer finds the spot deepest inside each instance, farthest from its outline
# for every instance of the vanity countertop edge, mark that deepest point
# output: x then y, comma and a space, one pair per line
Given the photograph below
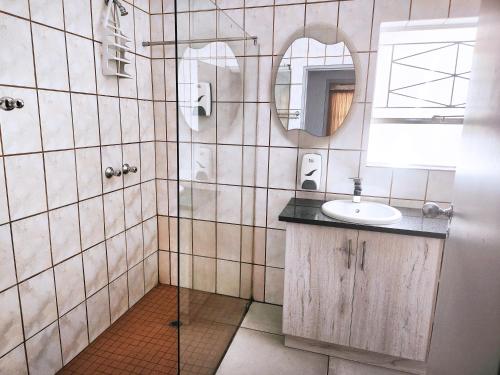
413, 223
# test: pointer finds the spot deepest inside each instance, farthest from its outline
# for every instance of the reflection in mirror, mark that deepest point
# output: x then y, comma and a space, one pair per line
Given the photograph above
203, 72
314, 86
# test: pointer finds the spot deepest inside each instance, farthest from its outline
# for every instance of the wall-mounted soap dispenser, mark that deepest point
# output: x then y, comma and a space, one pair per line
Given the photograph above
310, 174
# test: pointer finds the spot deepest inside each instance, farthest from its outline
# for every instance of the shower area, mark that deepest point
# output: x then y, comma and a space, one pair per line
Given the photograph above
128, 134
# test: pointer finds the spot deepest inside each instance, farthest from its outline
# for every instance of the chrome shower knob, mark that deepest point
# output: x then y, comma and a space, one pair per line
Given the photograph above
111, 172
8, 103
127, 168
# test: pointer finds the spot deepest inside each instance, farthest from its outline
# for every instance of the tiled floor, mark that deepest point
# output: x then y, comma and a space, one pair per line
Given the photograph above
142, 342
258, 349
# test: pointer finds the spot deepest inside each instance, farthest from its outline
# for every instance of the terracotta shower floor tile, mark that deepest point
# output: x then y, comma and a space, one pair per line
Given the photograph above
143, 342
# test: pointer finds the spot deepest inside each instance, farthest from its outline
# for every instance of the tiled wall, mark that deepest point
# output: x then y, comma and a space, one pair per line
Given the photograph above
270, 157
76, 249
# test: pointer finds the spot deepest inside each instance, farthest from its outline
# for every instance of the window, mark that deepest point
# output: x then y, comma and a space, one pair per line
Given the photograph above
422, 78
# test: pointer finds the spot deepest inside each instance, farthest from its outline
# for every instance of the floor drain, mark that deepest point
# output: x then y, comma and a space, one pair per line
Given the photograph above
175, 323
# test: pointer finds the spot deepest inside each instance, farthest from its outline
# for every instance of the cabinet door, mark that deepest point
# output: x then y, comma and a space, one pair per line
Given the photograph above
394, 293
319, 281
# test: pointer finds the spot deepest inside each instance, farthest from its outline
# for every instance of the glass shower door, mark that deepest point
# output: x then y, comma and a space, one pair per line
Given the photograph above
217, 68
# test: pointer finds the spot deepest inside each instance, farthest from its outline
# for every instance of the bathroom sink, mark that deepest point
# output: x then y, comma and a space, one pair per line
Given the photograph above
362, 212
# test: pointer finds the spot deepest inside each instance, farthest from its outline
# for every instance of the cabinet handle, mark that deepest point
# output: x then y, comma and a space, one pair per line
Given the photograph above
363, 256
349, 255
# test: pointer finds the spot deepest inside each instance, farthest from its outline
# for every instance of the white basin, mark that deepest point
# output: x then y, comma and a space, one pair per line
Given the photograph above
361, 213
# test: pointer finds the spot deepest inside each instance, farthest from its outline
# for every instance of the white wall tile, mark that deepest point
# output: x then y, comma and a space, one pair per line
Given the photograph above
69, 284
116, 256
277, 200
342, 165
109, 121
77, 17
38, 302
228, 241
4, 209
7, 270
204, 238
150, 231
388, 10
20, 129
92, 222
16, 38
229, 204
60, 171
10, 320
64, 232
228, 278
55, 117
73, 328
289, 21
275, 249
81, 64
135, 250
85, 120
136, 283
322, 13
204, 274
98, 313
48, 12
118, 297
50, 58
95, 268
464, 8
111, 157
229, 164
425, 9
44, 351
274, 285
440, 186
409, 183
19, 8
31, 245
132, 201
114, 213
151, 271
355, 20
88, 165
282, 167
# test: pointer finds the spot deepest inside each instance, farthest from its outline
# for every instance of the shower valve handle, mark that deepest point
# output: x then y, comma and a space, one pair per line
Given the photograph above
111, 172
8, 103
126, 168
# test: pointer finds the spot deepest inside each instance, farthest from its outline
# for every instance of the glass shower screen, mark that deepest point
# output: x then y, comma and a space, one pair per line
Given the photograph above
212, 226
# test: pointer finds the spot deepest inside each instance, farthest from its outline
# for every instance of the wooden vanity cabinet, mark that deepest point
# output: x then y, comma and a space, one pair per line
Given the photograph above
383, 303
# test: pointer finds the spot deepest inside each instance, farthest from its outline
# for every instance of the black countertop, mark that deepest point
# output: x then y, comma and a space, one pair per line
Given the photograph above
308, 211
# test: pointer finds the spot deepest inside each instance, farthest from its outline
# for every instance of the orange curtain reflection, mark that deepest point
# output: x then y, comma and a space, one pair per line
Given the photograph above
340, 102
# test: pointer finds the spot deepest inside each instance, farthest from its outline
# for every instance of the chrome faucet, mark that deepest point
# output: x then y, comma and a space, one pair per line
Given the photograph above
356, 197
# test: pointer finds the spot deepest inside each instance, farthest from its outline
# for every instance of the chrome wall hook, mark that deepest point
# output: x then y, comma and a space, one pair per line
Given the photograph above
111, 172
8, 104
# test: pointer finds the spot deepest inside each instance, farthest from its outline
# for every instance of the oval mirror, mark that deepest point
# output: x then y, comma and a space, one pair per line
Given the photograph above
314, 86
